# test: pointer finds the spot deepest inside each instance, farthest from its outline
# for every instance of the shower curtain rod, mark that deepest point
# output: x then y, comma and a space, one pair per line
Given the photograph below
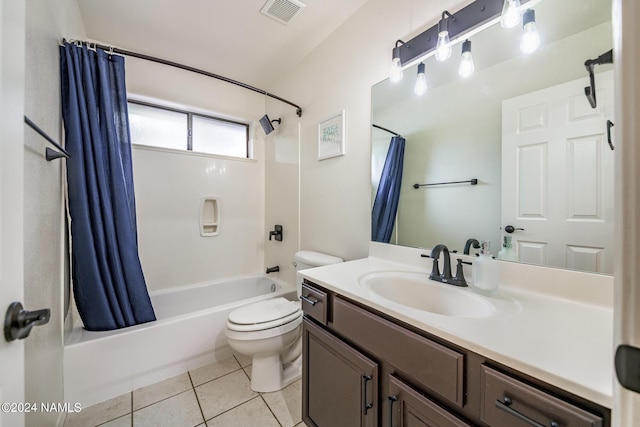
112, 49
386, 130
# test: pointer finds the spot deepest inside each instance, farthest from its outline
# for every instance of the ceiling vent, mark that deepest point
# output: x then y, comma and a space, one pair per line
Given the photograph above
282, 10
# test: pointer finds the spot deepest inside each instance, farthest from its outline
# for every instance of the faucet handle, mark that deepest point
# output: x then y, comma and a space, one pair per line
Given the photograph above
459, 279
435, 270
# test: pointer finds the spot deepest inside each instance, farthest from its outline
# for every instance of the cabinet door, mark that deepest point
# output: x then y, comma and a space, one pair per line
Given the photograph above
408, 408
438, 369
339, 384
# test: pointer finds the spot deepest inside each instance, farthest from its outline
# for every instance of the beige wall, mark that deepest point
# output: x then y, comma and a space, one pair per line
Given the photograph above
45, 276
282, 187
335, 194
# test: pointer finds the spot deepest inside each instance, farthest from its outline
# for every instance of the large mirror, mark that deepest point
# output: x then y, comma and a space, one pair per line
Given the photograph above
522, 126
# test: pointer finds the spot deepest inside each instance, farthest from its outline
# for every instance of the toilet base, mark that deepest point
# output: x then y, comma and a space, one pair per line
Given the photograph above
269, 374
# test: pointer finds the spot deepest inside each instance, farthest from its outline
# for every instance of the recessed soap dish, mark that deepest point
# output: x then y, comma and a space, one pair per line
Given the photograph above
209, 217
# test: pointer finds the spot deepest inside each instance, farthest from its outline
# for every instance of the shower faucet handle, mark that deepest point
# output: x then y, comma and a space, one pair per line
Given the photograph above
276, 232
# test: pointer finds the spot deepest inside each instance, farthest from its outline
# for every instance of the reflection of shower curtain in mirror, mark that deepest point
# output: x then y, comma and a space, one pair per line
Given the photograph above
385, 205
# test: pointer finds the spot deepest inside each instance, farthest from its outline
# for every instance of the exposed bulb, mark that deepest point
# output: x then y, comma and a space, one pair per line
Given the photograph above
510, 14
443, 46
396, 71
421, 81
530, 38
466, 67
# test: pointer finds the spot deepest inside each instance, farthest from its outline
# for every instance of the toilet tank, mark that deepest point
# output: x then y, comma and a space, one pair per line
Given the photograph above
310, 259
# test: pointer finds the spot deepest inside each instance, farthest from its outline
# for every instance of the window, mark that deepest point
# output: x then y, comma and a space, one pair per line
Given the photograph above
164, 127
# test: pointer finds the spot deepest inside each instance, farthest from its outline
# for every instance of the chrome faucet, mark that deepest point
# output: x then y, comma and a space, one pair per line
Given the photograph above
446, 277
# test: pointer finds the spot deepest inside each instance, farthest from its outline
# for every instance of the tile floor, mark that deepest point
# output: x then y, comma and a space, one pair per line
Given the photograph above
216, 395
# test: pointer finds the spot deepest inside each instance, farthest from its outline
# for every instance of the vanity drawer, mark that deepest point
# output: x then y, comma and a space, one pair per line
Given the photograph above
507, 401
437, 368
314, 303
408, 407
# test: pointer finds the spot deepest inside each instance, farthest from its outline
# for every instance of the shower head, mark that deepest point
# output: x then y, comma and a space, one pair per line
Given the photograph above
266, 124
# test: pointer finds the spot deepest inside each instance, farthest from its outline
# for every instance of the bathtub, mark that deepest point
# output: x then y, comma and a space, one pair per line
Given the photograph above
189, 333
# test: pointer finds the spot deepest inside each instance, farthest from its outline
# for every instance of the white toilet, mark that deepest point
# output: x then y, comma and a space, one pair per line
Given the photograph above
270, 332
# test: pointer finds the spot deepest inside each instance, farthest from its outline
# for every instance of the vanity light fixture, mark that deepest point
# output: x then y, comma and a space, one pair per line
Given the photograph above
396, 66
466, 67
421, 81
452, 29
530, 38
511, 14
443, 46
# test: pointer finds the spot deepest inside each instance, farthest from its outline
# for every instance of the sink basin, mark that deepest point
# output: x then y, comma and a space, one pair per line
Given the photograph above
416, 291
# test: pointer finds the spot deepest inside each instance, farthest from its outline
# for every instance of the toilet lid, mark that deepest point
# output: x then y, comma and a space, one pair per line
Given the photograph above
263, 311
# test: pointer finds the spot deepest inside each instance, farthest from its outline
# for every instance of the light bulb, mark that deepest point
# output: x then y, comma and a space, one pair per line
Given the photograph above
510, 14
395, 75
396, 71
466, 67
530, 38
421, 81
443, 46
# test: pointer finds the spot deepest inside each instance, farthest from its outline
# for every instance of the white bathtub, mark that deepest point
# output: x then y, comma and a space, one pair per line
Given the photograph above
188, 334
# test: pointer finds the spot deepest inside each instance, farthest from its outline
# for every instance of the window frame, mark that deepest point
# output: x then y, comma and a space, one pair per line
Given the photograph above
190, 115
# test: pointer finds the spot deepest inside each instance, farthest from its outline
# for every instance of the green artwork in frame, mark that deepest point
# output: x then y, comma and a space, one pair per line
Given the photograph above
331, 136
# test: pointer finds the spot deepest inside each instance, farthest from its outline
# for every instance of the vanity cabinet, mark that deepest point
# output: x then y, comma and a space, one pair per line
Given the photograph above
364, 368
340, 383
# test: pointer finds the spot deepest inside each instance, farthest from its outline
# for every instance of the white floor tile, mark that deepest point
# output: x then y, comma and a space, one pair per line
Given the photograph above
180, 410
247, 370
286, 404
214, 370
119, 422
159, 391
243, 359
100, 413
224, 393
250, 414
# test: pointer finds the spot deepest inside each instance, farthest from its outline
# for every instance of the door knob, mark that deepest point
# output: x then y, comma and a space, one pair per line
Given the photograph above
18, 322
510, 229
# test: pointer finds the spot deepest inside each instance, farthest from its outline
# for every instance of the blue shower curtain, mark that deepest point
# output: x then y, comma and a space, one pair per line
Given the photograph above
108, 283
385, 206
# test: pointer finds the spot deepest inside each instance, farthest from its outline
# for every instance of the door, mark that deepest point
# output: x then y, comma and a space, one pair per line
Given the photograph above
339, 384
557, 176
12, 36
626, 398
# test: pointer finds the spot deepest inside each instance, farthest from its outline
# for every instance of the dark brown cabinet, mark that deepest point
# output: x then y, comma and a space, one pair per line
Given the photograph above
340, 384
410, 408
363, 368
508, 401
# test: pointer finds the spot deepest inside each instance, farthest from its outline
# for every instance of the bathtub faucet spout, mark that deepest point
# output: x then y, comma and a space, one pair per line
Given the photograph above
273, 269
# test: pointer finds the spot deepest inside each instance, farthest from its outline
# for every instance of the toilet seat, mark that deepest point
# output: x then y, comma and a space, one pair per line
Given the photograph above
263, 315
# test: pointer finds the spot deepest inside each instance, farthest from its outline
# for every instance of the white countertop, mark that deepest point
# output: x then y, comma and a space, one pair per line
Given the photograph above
564, 342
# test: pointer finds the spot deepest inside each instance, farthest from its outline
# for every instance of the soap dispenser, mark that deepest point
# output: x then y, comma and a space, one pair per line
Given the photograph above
486, 272
507, 253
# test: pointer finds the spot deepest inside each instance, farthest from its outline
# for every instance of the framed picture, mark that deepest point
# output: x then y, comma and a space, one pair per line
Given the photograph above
331, 136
